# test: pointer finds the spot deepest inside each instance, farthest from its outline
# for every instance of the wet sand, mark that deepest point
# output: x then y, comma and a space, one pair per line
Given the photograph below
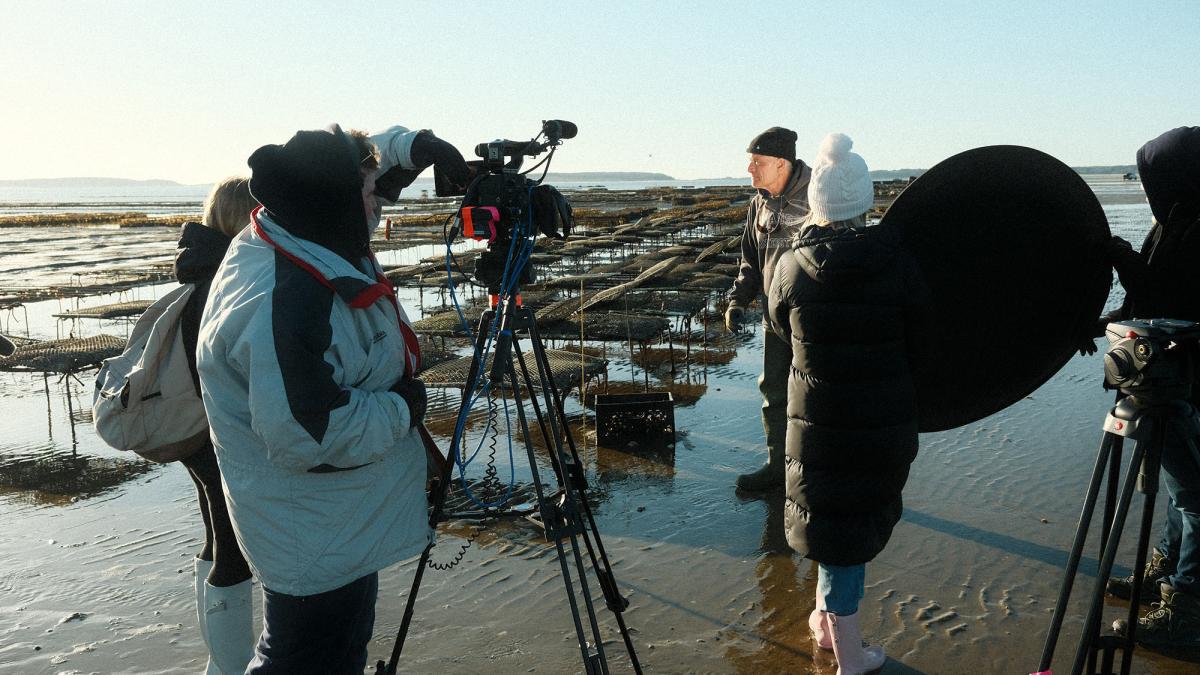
96, 546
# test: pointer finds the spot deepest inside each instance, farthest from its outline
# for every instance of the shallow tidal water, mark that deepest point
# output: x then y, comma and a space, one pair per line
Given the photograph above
96, 545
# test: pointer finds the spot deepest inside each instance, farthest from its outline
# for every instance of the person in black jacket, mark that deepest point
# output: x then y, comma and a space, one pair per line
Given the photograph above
775, 214
1163, 281
845, 298
223, 585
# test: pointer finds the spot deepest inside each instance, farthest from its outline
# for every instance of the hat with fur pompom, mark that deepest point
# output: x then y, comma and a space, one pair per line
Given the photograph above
840, 187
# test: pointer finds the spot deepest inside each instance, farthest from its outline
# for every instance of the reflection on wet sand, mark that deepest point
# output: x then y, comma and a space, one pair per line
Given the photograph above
787, 597
655, 466
42, 473
45, 475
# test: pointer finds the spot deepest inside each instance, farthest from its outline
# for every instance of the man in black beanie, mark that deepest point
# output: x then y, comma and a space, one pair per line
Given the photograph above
773, 219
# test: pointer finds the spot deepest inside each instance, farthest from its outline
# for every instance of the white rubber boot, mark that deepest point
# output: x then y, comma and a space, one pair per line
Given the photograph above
229, 616
852, 657
818, 623
203, 567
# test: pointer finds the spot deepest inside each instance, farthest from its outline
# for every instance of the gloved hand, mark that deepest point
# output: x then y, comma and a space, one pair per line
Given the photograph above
429, 149
1087, 345
1115, 248
551, 212
412, 391
735, 317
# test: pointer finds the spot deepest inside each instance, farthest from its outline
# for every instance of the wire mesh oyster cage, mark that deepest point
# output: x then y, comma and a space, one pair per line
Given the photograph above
642, 420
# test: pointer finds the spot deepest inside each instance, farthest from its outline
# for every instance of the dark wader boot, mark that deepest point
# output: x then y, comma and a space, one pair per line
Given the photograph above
773, 383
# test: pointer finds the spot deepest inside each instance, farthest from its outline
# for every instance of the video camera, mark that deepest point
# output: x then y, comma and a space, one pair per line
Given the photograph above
1155, 357
501, 201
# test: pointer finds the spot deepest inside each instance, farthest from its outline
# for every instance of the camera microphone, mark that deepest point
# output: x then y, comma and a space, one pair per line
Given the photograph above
559, 129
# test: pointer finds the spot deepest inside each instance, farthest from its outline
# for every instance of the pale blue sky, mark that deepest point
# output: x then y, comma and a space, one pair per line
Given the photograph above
185, 91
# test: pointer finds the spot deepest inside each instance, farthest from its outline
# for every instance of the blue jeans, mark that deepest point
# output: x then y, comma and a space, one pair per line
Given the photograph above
841, 587
1181, 531
323, 634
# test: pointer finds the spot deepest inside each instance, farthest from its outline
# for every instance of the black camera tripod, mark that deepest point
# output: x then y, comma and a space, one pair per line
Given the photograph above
565, 512
1145, 419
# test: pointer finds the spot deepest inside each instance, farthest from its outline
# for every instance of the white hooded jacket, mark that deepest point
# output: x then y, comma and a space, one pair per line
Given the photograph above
324, 477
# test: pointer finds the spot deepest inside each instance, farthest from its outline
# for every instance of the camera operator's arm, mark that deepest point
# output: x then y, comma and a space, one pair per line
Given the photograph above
428, 149
396, 167
1139, 279
1130, 265
404, 154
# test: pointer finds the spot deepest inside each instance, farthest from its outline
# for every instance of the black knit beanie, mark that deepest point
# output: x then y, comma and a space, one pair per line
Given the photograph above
775, 142
312, 186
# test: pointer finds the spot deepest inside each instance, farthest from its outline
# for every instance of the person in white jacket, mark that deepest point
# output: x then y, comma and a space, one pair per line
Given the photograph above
307, 366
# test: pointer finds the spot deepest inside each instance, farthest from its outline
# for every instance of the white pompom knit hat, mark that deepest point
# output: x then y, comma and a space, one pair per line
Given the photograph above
840, 187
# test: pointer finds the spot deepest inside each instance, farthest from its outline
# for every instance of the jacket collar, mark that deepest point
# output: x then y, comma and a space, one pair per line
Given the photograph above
335, 273
330, 269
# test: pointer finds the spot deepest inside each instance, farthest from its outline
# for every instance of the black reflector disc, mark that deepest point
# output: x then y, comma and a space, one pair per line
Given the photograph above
1010, 241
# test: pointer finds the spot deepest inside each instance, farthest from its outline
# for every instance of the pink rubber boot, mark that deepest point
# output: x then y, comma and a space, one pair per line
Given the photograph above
853, 658
818, 623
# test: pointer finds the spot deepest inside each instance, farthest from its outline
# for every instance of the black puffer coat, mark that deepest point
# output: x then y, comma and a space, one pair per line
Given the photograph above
844, 299
197, 258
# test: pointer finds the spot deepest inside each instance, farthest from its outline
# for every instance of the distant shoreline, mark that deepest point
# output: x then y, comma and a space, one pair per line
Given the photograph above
553, 177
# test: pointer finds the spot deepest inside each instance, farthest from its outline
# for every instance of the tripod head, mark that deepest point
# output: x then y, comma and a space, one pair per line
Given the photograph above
1151, 360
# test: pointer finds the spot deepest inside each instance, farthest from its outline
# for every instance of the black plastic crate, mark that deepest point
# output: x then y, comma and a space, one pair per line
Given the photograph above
646, 419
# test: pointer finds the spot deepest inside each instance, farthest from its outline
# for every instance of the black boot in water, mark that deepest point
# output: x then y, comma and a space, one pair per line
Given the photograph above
769, 477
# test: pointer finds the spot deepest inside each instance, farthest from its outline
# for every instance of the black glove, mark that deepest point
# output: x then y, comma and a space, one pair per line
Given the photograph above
1115, 249
412, 391
429, 149
735, 317
1087, 345
551, 212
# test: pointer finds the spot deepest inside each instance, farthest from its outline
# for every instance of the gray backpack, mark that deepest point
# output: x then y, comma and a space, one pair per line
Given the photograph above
145, 399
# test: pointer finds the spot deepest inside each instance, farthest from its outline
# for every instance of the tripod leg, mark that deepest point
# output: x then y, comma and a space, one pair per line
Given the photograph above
408, 615
1148, 485
440, 487
1106, 563
1081, 530
593, 664
615, 602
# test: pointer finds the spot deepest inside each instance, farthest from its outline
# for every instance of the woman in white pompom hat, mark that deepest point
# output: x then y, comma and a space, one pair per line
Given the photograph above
840, 189
844, 299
